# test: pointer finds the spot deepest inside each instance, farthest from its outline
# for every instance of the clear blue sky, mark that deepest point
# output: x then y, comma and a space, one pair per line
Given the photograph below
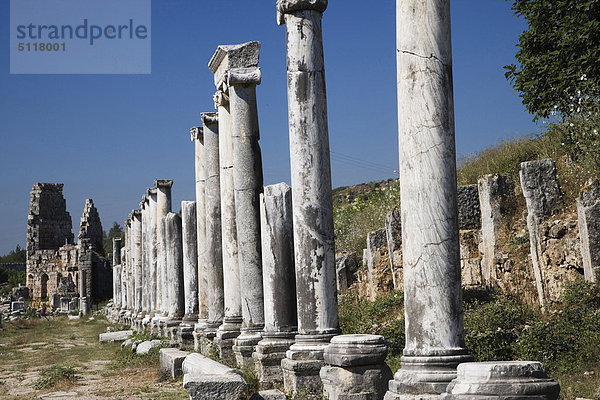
108, 136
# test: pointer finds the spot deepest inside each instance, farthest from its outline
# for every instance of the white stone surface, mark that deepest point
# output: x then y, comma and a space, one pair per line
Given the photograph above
146, 346
119, 336
190, 258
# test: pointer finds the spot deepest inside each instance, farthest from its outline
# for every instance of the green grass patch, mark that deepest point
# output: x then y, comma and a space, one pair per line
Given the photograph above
56, 374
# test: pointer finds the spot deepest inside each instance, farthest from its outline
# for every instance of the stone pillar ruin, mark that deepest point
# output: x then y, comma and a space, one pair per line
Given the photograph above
163, 207
355, 368
190, 260
213, 249
145, 208
543, 196
588, 213
136, 227
248, 184
430, 247
497, 204
224, 59
311, 193
129, 263
123, 278
197, 137
152, 287
174, 253
279, 283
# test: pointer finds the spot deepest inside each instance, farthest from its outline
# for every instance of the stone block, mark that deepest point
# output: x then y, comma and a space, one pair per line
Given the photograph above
588, 212
197, 364
378, 264
501, 381
146, 346
269, 395
17, 306
119, 336
346, 265
214, 387
171, 361
469, 213
541, 188
393, 231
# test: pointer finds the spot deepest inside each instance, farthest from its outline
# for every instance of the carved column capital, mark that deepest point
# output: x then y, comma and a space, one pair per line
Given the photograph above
288, 6
221, 99
163, 183
209, 118
244, 76
196, 133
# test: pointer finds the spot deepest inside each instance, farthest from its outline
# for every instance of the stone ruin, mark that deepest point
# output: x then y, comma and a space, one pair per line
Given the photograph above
261, 289
60, 273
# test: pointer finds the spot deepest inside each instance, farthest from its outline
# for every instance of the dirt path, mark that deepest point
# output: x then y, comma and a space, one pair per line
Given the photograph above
28, 349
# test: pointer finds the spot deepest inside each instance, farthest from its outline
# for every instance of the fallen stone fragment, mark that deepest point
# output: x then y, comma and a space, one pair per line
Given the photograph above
171, 361
145, 347
206, 379
111, 337
269, 395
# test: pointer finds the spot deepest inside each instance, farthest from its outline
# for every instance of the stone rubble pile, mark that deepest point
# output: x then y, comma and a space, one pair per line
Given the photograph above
248, 273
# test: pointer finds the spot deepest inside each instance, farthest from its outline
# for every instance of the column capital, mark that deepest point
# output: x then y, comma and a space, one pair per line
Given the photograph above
163, 183
151, 192
221, 99
227, 57
196, 133
210, 118
144, 201
128, 221
136, 214
288, 6
244, 76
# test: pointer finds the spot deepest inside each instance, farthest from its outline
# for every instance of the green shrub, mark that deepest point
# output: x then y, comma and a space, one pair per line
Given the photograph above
567, 339
54, 375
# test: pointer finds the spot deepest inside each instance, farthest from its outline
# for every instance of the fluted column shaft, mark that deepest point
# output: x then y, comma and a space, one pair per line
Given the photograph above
163, 207
190, 259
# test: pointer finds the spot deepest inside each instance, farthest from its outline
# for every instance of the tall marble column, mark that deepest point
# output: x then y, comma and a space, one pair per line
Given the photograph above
174, 252
136, 227
248, 185
430, 247
197, 137
152, 287
224, 59
190, 261
129, 262
163, 207
117, 268
311, 193
145, 208
279, 283
213, 249
124, 277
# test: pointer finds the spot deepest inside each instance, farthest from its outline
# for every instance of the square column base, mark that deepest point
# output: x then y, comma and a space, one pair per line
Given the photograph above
267, 360
185, 335
368, 382
302, 376
244, 346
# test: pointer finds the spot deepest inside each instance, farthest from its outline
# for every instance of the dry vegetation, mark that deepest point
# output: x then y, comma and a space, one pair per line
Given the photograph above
61, 358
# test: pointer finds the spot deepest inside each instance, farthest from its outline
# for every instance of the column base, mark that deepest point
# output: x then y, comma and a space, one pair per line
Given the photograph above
185, 334
244, 345
267, 358
225, 338
303, 363
426, 375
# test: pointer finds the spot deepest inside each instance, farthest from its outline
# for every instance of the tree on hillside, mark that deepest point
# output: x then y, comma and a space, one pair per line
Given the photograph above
557, 69
16, 256
115, 231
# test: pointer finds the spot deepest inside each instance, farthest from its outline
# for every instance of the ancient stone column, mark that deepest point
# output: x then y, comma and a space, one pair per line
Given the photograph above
163, 207
224, 59
213, 249
197, 137
145, 207
136, 227
152, 288
248, 185
129, 263
124, 278
588, 212
430, 247
279, 283
174, 252
117, 268
190, 260
311, 193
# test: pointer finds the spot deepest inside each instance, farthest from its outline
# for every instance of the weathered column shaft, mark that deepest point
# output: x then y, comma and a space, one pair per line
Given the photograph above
213, 249
152, 285
199, 158
588, 212
310, 168
129, 262
163, 207
248, 184
117, 268
136, 222
190, 259
144, 205
174, 250
430, 246
314, 247
124, 278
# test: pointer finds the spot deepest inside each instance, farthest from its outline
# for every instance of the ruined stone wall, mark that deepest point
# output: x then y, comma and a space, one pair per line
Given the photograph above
91, 227
48, 223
